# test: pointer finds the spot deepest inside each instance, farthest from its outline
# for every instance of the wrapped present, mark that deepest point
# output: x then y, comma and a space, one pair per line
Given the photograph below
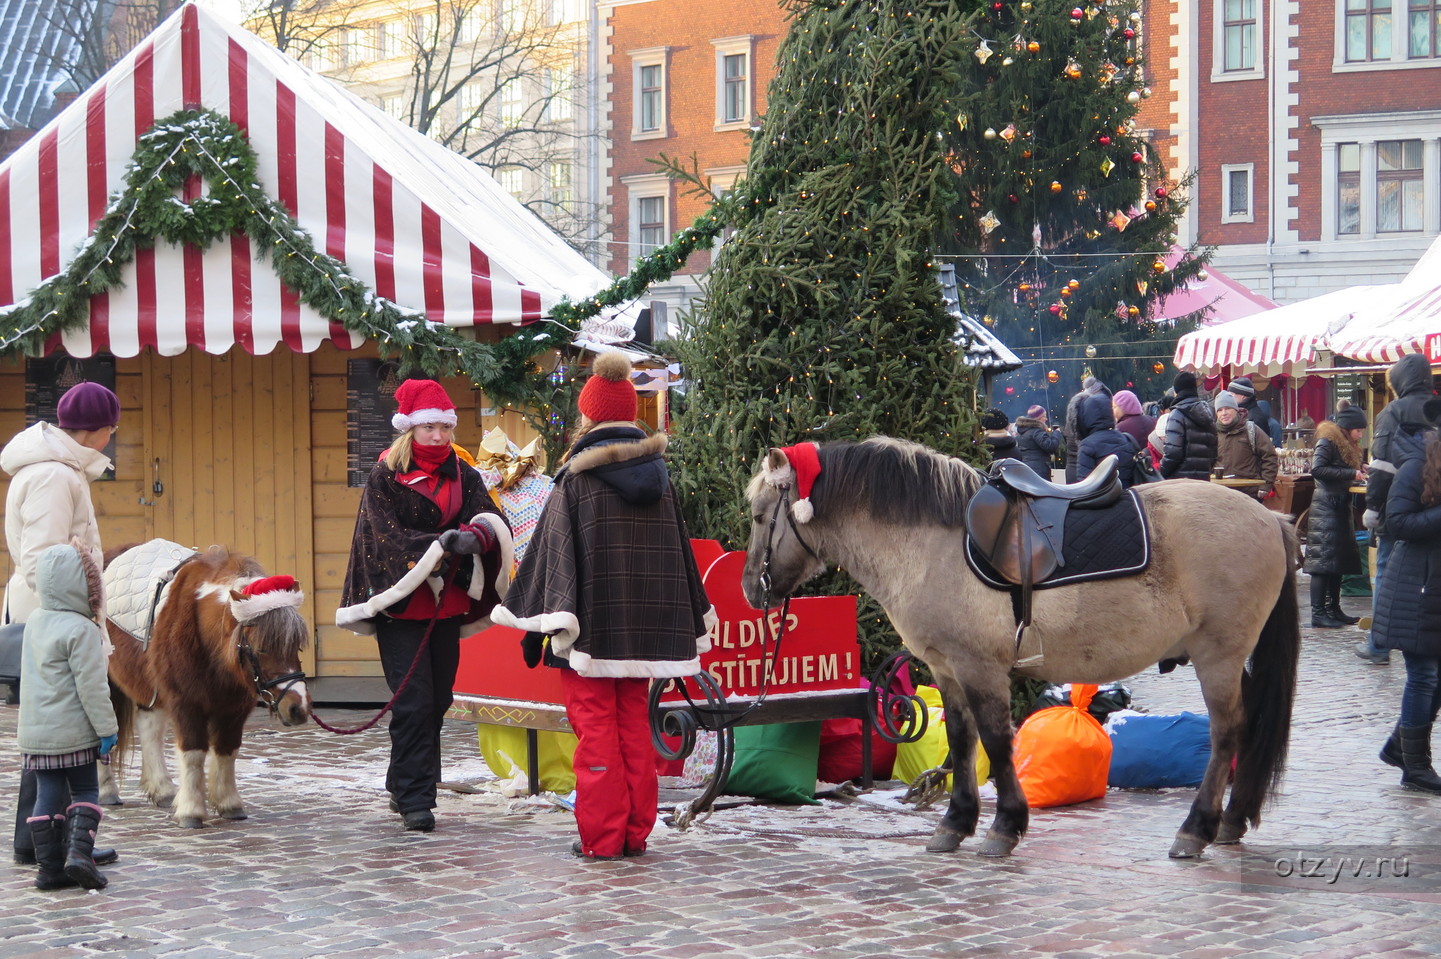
515, 482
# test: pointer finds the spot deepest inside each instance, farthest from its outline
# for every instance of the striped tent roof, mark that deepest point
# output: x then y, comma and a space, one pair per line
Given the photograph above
1407, 320
420, 225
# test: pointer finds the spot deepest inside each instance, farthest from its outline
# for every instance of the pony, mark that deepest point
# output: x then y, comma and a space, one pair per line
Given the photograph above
220, 643
1219, 589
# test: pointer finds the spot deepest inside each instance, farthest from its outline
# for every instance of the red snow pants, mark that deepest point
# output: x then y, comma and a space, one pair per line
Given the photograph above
616, 789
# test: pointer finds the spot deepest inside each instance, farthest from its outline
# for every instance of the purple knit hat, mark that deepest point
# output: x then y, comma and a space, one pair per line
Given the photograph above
87, 406
1036, 412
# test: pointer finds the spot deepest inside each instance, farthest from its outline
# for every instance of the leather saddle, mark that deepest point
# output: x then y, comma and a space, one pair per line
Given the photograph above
1017, 521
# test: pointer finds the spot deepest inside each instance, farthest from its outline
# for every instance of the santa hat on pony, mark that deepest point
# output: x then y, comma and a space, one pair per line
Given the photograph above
422, 402
263, 595
805, 465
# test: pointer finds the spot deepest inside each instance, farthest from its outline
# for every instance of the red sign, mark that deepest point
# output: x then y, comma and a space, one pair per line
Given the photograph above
1433, 347
820, 650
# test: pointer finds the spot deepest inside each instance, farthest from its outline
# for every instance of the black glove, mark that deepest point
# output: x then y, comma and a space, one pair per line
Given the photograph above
468, 540
532, 645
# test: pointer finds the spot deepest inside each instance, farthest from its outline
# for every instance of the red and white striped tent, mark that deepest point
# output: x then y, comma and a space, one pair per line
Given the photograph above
1274, 342
1407, 320
420, 225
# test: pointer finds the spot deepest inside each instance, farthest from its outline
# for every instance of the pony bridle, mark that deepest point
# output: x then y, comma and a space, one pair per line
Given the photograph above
270, 691
782, 502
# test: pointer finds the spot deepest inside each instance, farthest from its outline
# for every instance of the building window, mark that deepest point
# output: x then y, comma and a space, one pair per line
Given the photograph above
1238, 32
1237, 187
1348, 189
559, 85
394, 107
511, 179
512, 103
1399, 187
558, 179
512, 17
1368, 30
650, 224
735, 83
650, 98
1425, 29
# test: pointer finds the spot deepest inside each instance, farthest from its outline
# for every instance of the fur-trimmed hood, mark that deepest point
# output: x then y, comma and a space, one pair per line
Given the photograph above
625, 459
1350, 452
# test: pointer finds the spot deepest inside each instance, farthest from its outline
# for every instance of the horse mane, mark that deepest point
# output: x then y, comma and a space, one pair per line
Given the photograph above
214, 573
896, 481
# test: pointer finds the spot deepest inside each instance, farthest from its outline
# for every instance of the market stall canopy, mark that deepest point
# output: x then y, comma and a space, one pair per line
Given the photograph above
1223, 298
416, 223
984, 349
1273, 342
1405, 320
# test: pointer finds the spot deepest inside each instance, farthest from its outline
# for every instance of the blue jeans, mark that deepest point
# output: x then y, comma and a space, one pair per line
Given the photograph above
51, 795
1383, 551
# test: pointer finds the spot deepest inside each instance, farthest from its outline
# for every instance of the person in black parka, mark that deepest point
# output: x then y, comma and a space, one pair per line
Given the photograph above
1408, 610
1392, 442
1190, 433
1331, 550
1036, 442
1100, 438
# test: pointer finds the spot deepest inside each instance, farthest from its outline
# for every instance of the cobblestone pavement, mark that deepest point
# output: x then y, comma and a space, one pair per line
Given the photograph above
321, 868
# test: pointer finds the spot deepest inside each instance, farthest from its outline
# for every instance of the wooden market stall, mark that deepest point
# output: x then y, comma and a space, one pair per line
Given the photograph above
249, 419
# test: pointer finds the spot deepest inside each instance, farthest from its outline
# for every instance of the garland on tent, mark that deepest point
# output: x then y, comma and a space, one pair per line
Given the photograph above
203, 144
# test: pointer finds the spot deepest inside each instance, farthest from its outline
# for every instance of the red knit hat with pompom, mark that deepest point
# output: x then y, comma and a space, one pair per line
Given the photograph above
609, 395
422, 402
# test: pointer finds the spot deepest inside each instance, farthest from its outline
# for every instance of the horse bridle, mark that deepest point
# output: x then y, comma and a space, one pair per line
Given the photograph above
781, 503
264, 688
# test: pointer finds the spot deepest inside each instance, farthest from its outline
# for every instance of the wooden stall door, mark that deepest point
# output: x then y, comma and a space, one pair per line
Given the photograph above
228, 439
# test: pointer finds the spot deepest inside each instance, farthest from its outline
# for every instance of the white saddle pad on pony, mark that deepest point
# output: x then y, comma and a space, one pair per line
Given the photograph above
132, 580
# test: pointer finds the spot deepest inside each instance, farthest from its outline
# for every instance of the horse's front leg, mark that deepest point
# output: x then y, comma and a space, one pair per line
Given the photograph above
191, 746
109, 786
964, 809
991, 706
224, 794
155, 779
1221, 690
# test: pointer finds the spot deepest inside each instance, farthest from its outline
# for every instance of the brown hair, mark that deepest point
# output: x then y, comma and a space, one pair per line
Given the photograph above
1431, 472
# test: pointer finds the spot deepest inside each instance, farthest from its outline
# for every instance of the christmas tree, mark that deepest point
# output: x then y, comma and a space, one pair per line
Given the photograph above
823, 317
1064, 231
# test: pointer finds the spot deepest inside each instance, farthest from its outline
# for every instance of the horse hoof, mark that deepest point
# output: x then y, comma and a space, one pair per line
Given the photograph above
997, 846
235, 814
1229, 835
111, 801
191, 822
944, 840
1186, 847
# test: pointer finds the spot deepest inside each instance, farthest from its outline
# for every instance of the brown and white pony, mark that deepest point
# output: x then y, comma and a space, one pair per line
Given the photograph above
1220, 588
203, 671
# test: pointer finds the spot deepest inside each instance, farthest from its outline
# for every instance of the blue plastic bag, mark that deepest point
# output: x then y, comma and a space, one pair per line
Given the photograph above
1151, 752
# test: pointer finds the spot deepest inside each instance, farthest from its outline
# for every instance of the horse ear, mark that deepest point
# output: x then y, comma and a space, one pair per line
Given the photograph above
236, 597
778, 467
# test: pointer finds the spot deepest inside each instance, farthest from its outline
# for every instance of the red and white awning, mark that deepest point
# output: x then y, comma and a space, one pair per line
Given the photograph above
1406, 320
1279, 341
420, 225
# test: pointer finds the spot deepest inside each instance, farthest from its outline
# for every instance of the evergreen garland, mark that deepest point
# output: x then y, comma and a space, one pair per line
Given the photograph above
203, 144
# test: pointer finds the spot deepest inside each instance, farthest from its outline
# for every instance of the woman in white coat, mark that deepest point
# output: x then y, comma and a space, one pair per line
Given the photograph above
51, 468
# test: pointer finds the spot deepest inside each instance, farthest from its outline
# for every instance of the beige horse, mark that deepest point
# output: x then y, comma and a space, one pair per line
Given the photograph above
1220, 589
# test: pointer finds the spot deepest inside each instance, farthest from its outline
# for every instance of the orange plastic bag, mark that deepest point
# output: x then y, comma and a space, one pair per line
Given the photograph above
1062, 754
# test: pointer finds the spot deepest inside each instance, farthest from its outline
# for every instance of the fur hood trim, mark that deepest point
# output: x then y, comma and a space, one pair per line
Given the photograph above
609, 453
1025, 422
1350, 452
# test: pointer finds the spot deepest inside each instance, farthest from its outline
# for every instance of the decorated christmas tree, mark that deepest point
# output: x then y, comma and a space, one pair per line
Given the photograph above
823, 317
1064, 232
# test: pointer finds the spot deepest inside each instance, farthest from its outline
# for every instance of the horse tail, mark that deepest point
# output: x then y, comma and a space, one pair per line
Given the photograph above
1268, 692
125, 720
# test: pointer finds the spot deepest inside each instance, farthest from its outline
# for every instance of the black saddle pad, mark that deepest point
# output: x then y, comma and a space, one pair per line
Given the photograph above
1099, 544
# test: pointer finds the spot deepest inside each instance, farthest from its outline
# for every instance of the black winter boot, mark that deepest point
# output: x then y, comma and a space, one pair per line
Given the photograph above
1333, 603
1416, 754
1321, 617
1391, 752
80, 861
24, 806
48, 835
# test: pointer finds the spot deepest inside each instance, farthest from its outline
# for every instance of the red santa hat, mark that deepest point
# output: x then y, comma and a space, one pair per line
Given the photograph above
422, 402
263, 595
805, 460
